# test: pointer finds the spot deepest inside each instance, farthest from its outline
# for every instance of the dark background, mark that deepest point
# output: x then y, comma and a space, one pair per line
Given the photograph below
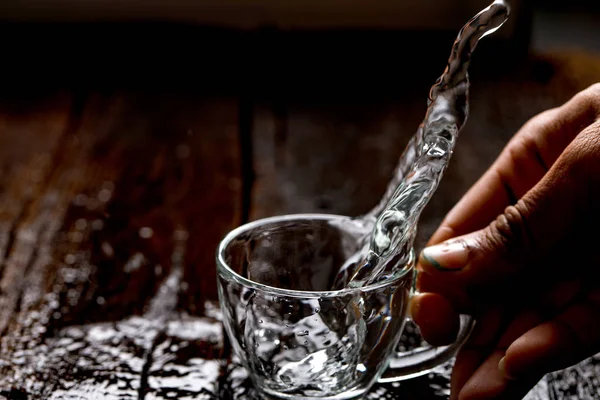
266, 61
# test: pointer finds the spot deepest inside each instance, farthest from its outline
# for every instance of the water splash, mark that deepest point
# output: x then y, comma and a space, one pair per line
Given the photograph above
424, 160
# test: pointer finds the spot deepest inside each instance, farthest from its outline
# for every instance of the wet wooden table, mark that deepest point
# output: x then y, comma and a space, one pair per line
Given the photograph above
113, 199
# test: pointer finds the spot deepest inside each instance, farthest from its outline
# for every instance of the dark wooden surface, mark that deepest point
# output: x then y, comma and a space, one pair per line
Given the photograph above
113, 200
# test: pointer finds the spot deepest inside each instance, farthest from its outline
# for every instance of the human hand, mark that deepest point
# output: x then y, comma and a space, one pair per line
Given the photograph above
518, 254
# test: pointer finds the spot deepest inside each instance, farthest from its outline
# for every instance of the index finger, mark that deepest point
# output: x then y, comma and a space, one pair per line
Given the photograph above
522, 163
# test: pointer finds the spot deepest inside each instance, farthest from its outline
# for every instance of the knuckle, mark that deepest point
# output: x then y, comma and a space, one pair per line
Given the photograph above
595, 89
524, 150
550, 121
510, 230
590, 98
542, 122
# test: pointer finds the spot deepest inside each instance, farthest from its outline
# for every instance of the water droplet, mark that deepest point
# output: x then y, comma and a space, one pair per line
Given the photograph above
302, 333
285, 347
70, 259
107, 249
327, 342
104, 195
146, 232
260, 321
100, 300
134, 263
69, 275
317, 310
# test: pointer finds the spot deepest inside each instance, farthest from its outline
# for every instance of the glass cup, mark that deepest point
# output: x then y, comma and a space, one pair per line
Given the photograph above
297, 338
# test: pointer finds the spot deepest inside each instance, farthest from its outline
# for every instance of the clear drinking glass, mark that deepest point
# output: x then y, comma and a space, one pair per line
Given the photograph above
297, 338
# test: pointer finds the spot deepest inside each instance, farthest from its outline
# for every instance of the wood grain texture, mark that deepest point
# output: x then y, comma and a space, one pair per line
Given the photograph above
123, 202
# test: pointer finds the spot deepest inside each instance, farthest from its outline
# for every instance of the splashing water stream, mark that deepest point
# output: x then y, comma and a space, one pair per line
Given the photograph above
423, 162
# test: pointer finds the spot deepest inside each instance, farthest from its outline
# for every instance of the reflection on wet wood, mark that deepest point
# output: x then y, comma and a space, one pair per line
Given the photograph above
108, 217
112, 206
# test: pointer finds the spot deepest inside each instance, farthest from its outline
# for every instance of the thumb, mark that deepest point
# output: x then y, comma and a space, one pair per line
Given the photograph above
527, 234
499, 250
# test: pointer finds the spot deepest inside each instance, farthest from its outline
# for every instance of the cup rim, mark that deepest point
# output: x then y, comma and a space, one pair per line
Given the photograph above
225, 269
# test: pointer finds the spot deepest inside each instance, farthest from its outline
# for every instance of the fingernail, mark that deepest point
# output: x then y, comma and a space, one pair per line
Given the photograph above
502, 368
448, 256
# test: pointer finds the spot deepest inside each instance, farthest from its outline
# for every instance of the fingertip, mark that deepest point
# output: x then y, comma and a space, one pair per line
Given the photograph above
489, 383
542, 349
486, 381
517, 359
436, 317
451, 255
504, 372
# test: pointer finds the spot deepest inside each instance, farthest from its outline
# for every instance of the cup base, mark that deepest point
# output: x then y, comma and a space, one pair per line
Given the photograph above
354, 393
